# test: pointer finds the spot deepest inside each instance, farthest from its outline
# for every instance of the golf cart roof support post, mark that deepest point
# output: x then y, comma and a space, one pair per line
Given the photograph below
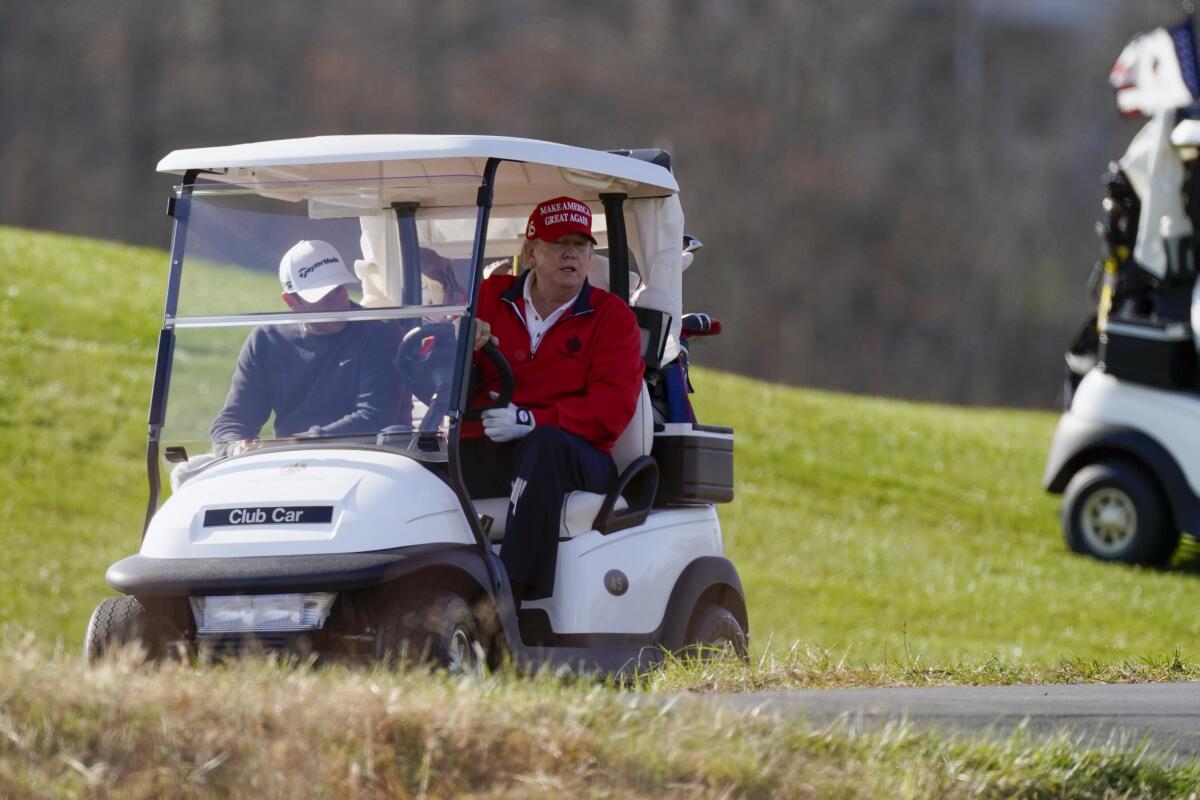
500, 590
180, 211
618, 246
158, 401
462, 365
410, 251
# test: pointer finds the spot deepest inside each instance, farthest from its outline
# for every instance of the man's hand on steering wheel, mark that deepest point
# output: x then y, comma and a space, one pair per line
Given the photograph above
483, 334
507, 384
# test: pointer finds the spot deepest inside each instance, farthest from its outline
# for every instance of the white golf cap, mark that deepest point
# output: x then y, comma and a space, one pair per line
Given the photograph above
312, 268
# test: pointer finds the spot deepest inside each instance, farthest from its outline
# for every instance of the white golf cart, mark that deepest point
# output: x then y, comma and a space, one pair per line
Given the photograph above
368, 542
1126, 453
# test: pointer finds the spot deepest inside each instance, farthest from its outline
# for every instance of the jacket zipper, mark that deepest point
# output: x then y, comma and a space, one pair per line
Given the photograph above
557, 322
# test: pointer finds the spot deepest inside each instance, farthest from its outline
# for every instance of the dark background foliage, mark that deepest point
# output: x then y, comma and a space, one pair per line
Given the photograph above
895, 197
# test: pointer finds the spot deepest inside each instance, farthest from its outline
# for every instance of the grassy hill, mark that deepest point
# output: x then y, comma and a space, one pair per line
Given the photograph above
899, 530
78, 325
881, 529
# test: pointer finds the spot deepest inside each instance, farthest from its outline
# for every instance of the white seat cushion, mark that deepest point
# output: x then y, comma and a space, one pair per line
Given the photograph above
598, 275
578, 512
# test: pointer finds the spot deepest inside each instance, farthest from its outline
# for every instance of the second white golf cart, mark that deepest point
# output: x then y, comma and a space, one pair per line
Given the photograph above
369, 542
1125, 454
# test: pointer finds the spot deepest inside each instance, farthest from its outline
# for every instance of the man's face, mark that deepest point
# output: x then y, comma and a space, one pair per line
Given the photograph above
338, 299
562, 265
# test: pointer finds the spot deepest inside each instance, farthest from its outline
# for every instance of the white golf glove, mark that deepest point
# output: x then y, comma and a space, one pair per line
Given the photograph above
508, 423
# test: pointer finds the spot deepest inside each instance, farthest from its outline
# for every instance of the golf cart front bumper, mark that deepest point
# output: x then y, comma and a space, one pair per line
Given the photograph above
150, 577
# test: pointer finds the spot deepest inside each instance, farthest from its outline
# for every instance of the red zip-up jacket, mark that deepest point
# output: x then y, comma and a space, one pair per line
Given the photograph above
586, 374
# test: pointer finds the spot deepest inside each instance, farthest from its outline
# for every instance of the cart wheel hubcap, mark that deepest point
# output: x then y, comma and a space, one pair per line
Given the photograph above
462, 652
1109, 521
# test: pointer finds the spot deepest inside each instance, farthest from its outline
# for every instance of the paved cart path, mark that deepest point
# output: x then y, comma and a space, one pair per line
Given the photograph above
1166, 714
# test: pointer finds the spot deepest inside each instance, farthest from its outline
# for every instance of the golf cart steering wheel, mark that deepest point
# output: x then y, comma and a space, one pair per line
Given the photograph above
507, 383
430, 373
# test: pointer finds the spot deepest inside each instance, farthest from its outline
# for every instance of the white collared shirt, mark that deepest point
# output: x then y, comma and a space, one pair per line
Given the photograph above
537, 326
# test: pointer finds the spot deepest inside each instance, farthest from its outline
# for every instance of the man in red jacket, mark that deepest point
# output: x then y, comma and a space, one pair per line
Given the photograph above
575, 353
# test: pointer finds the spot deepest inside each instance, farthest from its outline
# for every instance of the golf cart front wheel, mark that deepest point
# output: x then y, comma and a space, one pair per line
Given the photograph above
116, 622
715, 633
441, 631
1113, 511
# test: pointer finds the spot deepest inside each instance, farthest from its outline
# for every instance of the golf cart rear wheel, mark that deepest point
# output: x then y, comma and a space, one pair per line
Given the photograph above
715, 633
440, 631
1113, 511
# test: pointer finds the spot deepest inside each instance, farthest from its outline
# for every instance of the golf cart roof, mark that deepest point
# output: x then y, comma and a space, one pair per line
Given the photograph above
363, 176
413, 156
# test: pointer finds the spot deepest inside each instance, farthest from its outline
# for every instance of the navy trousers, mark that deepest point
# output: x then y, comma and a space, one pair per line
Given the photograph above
536, 472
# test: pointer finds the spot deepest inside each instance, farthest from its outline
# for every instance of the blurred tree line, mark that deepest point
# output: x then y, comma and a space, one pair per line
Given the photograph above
896, 197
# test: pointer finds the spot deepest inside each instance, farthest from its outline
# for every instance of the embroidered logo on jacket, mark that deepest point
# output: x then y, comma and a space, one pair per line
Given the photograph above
573, 346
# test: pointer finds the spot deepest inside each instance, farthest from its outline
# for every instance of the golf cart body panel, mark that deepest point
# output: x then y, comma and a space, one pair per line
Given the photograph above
147, 577
1108, 419
707, 578
617, 582
289, 528
256, 506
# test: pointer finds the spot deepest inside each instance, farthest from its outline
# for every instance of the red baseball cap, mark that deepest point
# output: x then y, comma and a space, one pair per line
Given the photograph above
554, 219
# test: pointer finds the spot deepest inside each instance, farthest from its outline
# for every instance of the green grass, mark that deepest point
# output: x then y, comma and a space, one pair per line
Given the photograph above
887, 533
891, 530
807, 668
78, 325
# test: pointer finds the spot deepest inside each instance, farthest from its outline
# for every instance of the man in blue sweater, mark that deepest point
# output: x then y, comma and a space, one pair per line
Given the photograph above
319, 378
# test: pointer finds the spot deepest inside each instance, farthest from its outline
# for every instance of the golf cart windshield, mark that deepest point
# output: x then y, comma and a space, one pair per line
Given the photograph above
356, 343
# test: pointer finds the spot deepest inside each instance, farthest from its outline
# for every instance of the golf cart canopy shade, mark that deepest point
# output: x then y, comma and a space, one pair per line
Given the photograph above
546, 166
365, 177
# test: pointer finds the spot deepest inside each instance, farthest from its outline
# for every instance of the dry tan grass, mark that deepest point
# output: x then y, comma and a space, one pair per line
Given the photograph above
254, 728
127, 729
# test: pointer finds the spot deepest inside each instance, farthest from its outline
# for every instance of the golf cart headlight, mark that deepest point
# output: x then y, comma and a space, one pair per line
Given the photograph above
258, 613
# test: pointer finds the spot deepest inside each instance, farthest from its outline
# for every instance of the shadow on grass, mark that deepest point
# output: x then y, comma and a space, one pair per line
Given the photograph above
1185, 561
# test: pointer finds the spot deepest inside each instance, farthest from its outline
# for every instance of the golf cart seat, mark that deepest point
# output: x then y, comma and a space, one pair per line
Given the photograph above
624, 506
599, 276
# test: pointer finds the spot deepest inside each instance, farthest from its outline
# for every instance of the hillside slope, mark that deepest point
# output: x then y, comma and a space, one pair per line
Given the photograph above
885, 529
78, 323
910, 531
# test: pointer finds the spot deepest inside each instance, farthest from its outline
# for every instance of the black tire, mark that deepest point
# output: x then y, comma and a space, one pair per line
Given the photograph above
439, 631
122, 621
714, 632
1114, 511
116, 622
